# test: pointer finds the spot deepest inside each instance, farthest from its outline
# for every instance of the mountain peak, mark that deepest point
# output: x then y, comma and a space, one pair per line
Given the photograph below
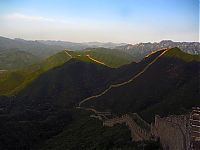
166, 41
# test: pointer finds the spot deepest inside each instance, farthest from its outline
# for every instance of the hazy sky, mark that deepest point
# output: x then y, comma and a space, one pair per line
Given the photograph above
128, 21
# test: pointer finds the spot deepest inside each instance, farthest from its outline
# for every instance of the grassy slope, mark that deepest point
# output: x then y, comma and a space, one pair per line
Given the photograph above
111, 57
176, 52
12, 82
14, 59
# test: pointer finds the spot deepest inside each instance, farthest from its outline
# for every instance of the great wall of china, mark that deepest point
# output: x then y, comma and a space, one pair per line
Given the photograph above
140, 130
175, 132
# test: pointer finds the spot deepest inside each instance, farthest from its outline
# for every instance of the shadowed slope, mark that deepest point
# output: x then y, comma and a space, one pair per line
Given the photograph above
66, 84
169, 85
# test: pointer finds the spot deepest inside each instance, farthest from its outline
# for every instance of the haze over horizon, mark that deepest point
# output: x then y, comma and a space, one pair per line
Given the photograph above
127, 21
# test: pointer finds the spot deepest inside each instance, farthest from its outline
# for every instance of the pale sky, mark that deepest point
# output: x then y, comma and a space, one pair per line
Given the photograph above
129, 21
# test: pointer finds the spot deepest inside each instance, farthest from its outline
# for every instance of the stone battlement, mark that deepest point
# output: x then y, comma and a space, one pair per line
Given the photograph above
172, 131
175, 132
138, 133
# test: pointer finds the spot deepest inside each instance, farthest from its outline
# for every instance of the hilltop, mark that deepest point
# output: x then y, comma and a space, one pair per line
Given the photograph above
178, 53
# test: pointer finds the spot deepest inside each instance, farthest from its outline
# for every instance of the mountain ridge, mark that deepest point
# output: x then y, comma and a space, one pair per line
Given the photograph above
139, 51
115, 101
36, 48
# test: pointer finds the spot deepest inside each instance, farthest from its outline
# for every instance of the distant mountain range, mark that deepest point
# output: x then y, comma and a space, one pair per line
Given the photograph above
45, 48
19, 53
139, 51
81, 46
33, 47
40, 49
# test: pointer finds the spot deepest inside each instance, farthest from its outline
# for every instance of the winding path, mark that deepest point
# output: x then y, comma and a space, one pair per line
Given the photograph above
97, 61
92, 59
68, 54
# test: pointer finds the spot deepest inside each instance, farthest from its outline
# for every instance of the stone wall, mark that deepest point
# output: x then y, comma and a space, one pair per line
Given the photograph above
172, 131
137, 132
